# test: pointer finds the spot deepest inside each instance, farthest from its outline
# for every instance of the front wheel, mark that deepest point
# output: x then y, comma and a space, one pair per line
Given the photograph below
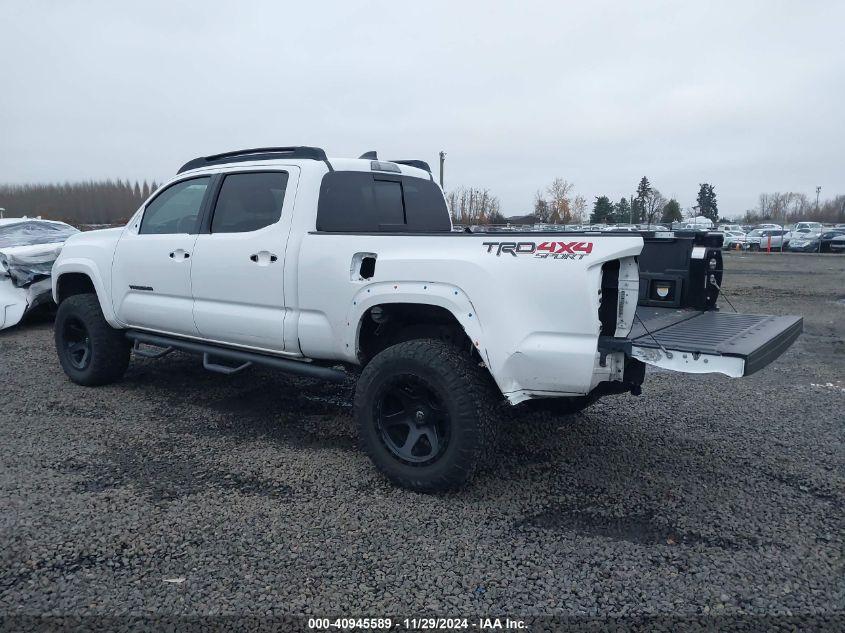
425, 413
90, 351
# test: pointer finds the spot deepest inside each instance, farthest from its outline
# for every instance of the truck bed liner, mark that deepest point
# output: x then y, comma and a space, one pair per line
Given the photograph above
757, 339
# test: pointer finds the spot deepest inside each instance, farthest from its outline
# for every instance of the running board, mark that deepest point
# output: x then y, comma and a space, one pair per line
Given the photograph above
242, 357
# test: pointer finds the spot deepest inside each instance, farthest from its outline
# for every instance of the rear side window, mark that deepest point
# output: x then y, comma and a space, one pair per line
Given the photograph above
353, 201
248, 202
176, 209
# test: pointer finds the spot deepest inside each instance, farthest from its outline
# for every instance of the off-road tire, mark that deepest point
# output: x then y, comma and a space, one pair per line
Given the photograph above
109, 349
465, 390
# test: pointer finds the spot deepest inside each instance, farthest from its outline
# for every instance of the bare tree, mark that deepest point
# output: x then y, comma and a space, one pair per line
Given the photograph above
794, 207
542, 210
468, 205
579, 208
654, 204
560, 205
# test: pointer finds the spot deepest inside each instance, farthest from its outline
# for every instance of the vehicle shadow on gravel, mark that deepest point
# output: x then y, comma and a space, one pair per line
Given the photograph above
601, 473
257, 403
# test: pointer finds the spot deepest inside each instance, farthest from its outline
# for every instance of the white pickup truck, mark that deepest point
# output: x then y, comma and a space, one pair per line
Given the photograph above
329, 267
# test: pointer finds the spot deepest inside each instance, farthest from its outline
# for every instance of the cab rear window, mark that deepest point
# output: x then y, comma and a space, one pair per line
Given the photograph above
363, 202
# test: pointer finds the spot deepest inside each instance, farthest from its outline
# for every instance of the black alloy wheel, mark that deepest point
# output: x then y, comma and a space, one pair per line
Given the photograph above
426, 414
412, 420
77, 343
90, 351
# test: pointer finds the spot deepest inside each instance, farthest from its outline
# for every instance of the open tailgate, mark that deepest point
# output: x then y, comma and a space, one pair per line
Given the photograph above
695, 341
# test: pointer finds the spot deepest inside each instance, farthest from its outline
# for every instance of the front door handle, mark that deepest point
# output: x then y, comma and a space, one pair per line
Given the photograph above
179, 254
263, 258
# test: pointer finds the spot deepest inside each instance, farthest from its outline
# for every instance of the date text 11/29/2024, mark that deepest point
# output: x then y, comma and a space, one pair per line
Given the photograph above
416, 624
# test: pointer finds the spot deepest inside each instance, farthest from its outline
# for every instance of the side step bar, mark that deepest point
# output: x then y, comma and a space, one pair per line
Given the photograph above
240, 356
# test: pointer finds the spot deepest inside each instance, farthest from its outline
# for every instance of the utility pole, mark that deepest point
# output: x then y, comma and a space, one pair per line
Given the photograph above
442, 160
818, 191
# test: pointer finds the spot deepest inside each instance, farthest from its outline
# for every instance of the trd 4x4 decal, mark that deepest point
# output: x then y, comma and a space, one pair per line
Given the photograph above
553, 250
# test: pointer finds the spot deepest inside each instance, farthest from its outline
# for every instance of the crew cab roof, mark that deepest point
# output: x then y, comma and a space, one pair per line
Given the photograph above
337, 164
302, 155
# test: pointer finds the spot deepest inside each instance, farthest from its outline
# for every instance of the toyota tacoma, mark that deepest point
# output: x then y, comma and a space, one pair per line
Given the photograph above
339, 268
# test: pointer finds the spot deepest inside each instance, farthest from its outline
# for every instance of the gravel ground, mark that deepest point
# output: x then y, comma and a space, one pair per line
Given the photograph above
703, 495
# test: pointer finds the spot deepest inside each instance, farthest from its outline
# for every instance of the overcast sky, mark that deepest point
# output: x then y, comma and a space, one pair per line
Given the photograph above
749, 96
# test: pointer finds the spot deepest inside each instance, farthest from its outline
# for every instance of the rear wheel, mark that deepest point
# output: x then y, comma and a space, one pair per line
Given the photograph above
425, 414
90, 351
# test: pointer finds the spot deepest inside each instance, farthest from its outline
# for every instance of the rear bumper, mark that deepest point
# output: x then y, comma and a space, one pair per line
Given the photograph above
692, 341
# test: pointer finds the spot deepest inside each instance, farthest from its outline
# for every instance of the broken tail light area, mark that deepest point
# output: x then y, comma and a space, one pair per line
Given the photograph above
618, 296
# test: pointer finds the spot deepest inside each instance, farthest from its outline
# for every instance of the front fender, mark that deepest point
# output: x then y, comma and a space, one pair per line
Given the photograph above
87, 267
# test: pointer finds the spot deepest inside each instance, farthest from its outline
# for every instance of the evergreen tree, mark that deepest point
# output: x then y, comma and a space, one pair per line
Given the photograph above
671, 212
707, 202
623, 210
602, 211
643, 194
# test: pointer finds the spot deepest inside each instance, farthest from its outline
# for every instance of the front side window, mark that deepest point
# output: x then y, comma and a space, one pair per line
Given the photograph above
248, 202
176, 209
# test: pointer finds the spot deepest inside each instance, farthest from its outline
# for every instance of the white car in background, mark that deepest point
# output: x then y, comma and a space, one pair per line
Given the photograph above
28, 248
811, 227
762, 239
734, 238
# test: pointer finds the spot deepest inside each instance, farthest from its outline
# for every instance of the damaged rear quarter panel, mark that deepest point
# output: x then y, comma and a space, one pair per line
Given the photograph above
537, 314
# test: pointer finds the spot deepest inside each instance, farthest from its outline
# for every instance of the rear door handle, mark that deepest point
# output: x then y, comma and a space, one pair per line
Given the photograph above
263, 258
179, 254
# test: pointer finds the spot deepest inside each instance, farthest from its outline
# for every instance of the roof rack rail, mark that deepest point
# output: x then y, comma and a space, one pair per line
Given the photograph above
257, 153
419, 164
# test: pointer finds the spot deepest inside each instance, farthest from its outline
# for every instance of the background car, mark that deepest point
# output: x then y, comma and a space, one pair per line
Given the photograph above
837, 244
734, 238
28, 248
758, 239
824, 240
802, 233
814, 227
805, 242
